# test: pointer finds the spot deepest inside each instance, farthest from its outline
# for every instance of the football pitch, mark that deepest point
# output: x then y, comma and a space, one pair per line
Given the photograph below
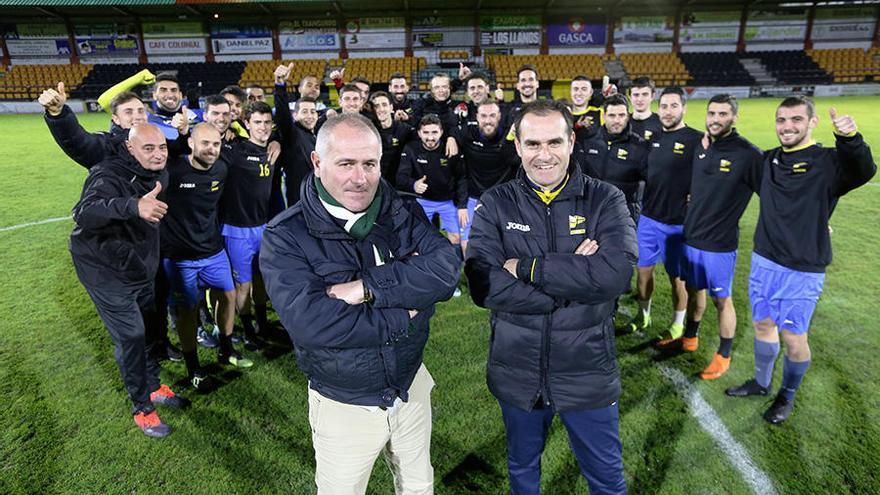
66, 428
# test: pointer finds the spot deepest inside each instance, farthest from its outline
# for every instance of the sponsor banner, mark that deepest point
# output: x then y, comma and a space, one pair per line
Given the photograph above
375, 32
870, 89
440, 23
104, 31
172, 30
638, 30
510, 22
37, 47
575, 31
436, 31
174, 46
513, 38
307, 26
782, 91
704, 93
240, 31
242, 45
708, 28
773, 26
843, 29
308, 34
107, 47
21, 31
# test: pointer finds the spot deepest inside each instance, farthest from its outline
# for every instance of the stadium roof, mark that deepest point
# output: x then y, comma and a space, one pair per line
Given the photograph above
273, 10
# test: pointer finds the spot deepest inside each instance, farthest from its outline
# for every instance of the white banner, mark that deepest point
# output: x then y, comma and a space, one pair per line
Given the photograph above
37, 47
704, 93
174, 46
843, 29
243, 45
309, 41
388, 39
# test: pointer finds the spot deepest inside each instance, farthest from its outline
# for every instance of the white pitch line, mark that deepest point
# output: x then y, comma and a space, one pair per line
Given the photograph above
708, 419
31, 224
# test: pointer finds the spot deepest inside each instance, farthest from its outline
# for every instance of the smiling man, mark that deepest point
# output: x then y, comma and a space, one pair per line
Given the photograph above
549, 253
801, 183
354, 274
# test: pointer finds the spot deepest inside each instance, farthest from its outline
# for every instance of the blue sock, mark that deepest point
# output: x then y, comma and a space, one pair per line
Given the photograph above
765, 357
792, 376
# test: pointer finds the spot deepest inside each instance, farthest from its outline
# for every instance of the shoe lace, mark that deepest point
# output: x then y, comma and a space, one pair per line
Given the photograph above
163, 391
147, 420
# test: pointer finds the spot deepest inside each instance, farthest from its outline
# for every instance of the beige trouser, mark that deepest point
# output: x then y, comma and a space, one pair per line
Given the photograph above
348, 439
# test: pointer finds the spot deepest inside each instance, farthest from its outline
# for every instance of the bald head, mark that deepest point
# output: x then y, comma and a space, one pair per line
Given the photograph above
204, 140
147, 145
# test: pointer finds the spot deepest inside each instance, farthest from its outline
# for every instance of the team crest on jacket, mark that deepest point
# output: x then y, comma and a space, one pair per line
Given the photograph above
621, 154
576, 225
725, 165
678, 148
648, 134
215, 185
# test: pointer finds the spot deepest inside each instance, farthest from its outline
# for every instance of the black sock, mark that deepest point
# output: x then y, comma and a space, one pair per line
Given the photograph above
724, 347
692, 329
262, 319
247, 321
191, 358
225, 344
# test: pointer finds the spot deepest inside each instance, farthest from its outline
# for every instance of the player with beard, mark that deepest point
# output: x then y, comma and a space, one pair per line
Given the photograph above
489, 159
192, 248
727, 169
237, 98
243, 213
395, 134
297, 134
167, 100
255, 92
617, 156
645, 123
398, 88
801, 184
661, 225
477, 88
439, 181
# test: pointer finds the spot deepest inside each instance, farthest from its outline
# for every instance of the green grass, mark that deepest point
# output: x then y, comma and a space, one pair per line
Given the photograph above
65, 427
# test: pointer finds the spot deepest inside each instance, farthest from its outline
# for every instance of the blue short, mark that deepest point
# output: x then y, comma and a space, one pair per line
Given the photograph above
447, 211
187, 278
243, 248
710, 270
786, 296
466, 229
660, 241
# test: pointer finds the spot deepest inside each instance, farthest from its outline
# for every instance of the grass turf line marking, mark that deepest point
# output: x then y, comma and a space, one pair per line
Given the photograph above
759, 482
31, 224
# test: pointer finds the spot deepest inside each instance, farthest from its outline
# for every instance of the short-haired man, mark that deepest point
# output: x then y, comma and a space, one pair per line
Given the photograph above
255, 92
645, 123
354, 275
194, 258
295, 132
395, 134
168, 106
115, 250
550, 252
661, 224
398, 89
477, 88
616, 155
244, 211
588, 114
727, 169
438, 102
439, 182
237, 99
351, 99
801, 183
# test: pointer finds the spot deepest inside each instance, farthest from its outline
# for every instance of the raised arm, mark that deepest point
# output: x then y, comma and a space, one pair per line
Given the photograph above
141, 78
857, 165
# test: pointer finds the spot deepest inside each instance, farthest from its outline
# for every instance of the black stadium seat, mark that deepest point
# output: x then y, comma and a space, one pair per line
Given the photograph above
213, 76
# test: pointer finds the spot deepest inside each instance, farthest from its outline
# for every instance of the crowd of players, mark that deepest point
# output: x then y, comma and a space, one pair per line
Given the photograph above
232, 163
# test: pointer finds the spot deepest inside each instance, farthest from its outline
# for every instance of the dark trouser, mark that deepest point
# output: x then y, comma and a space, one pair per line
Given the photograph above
121, 310
156, 315
592, 436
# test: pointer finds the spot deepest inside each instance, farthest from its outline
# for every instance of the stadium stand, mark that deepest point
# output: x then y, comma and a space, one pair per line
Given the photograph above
716, 69
454, 55
378, 70
791, 66
260, 72
664, 68
846, 65
213, 76
550, 67
26, 82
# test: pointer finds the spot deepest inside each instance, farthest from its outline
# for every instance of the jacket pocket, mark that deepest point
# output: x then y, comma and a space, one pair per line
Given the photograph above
334, 272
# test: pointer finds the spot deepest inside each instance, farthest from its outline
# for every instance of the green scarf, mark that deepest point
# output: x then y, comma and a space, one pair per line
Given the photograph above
358, 225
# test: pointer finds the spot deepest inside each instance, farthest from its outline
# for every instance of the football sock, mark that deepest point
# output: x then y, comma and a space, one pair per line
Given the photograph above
679, 318
191, 358
692, 329
724, 347
225, 344
645, 307
765, 356
792, 376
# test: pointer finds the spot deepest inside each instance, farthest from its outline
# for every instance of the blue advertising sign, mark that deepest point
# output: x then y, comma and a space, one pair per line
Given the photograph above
575, 31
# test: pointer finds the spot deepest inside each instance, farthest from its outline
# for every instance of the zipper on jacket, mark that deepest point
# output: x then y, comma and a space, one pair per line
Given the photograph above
545, 332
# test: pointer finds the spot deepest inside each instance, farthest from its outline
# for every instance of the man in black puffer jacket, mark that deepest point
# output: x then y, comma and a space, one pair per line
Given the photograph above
354, 274
115, 249
550, 251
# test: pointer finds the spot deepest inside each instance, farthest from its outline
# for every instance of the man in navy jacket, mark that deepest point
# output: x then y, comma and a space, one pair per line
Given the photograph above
550, 252
354, 274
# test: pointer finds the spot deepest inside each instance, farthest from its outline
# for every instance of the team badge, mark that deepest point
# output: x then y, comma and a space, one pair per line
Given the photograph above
621, 154
799, 167
725, 165
678, 148
443, 162
215, 185
648, 134
576, 225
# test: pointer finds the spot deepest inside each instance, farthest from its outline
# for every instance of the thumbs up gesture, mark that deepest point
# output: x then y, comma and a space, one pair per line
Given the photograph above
53, 100
421, 185
150, 208
282, 73
499, 93
180, 121
844, 125
463, 71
